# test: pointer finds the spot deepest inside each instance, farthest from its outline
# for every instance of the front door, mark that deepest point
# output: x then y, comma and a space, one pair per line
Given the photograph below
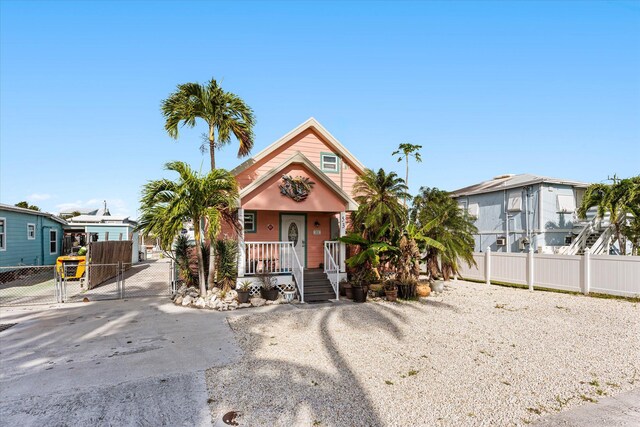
293, 229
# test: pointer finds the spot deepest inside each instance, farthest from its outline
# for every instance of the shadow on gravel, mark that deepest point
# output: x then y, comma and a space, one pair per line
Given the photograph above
280, 392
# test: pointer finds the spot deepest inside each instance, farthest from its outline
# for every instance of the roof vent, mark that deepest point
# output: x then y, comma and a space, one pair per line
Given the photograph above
506, 175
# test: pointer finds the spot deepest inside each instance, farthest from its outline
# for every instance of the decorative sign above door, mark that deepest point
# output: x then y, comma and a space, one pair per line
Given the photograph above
297, 188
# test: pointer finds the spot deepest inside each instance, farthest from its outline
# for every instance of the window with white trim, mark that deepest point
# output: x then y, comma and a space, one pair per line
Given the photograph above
31, 231
3, 234
250, 225
329, 162
514, 204
566, 203
53, 242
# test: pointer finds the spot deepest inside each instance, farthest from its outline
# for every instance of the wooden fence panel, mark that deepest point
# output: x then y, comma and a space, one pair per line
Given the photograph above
107, 253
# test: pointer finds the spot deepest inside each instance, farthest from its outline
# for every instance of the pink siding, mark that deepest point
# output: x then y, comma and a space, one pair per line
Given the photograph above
268, 197
308, 143
315, 242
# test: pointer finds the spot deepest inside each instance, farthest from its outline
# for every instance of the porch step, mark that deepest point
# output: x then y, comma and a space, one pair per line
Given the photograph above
317, 288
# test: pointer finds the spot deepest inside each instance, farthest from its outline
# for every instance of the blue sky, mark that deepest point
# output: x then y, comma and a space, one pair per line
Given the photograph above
487, 88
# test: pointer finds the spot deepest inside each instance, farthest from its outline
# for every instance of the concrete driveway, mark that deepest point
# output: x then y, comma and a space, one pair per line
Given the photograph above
125, 362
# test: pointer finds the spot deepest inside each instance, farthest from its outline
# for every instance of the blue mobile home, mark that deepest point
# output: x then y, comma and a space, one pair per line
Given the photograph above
516, 212
29, 237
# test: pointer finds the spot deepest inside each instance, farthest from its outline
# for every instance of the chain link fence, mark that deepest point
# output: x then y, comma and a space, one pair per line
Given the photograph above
25, 285
47, 285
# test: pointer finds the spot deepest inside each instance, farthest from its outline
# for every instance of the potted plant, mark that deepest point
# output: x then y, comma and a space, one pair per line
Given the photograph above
437, 286
268, 290
344, 284
423, 289
289, 295
359, 294
391, 290
407, 289
244, 291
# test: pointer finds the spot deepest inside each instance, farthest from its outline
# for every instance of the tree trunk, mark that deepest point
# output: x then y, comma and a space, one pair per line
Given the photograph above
406, 181
202, 280
211, 280
212, 147
621, 244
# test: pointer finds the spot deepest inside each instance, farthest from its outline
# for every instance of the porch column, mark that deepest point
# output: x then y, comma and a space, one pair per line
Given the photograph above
343, 247
241, 249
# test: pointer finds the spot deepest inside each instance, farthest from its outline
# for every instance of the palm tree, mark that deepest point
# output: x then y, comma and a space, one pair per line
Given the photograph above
405, 151
225, 113
378, 195
166, 205
440, 218
618, 199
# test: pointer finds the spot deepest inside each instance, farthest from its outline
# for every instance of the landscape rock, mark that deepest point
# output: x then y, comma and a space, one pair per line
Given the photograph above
178, 300
257, 302
200, 303
244, 305
187, 300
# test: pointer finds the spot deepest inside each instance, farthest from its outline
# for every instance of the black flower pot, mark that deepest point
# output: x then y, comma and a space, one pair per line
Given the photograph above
359, 295
243, 297
269, 295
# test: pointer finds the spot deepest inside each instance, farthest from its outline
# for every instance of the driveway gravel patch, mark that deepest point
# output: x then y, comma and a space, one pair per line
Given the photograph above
475, 355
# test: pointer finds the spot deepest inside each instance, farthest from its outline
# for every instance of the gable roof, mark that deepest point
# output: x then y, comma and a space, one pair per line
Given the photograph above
300, 158
310, 123
11, 208
504, 182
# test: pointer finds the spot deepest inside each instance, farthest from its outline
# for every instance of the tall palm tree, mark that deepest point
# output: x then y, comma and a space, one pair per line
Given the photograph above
441, 219
225, 113
405, 151
378, 195
166, 205
618, 200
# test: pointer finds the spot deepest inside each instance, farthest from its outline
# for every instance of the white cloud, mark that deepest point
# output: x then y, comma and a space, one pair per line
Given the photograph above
39, 197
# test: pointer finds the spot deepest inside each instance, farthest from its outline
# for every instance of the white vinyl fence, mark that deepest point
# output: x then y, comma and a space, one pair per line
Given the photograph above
604, 274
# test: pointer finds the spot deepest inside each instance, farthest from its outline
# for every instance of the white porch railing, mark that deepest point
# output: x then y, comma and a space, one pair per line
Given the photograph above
332, 269
268, 257
331, 247
274, 258
298, 271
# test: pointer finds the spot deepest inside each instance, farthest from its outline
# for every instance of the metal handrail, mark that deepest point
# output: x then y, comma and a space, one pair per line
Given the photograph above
333, 271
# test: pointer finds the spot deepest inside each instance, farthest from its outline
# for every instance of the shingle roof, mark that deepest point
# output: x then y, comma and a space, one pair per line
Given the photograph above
503, 182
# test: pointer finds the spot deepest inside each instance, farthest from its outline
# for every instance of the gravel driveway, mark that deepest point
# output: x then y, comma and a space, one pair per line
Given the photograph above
476, 355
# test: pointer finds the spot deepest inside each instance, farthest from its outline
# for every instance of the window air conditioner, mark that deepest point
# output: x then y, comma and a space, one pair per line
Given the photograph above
501, 241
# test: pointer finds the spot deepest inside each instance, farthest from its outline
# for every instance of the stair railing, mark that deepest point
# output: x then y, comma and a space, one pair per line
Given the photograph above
579, 242
332, 270
297, 270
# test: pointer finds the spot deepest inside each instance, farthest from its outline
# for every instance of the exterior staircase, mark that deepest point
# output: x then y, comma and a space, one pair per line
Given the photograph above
317, 287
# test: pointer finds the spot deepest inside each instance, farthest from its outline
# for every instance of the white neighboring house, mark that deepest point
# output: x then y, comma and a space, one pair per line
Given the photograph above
516, 212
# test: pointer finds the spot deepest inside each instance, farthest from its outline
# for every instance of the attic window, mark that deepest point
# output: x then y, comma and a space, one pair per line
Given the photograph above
515, 201
566, 203
329, 162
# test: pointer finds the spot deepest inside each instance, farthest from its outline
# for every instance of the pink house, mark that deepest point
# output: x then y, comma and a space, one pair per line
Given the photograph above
294, 198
